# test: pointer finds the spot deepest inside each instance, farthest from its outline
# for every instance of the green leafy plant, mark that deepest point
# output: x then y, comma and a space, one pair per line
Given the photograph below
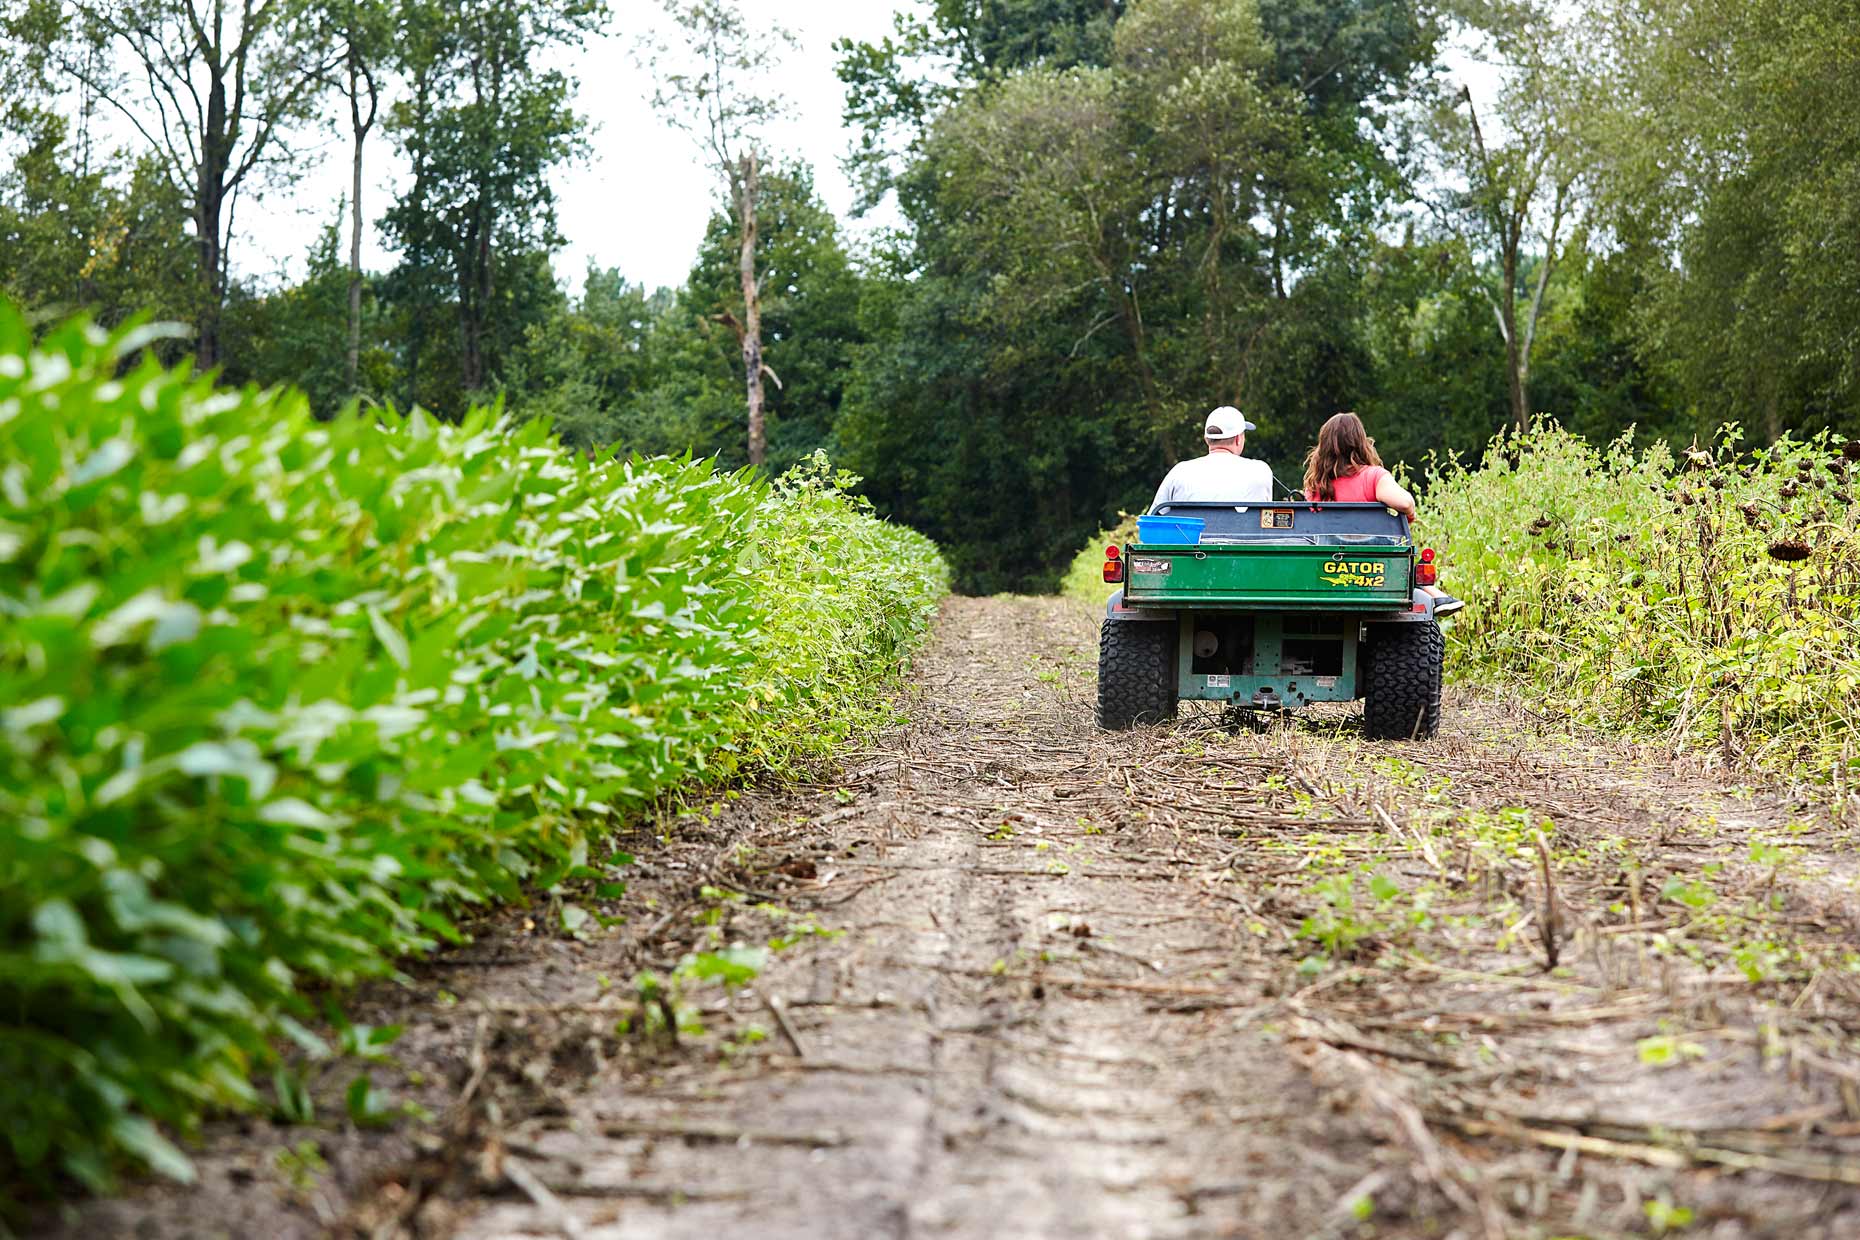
1666, 1050
1663, 1216
301, 1165
1695, 893
1713, 595
293, 1104
283, 696
733, 966
368, 1107
1346, 914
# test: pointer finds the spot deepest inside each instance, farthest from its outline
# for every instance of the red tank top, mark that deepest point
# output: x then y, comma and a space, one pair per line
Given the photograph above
1359, 487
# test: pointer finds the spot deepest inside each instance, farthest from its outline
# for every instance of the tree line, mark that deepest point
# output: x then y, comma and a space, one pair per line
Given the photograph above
1452, 216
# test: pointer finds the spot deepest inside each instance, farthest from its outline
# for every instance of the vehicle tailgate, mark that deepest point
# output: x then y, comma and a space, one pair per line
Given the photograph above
1350, 578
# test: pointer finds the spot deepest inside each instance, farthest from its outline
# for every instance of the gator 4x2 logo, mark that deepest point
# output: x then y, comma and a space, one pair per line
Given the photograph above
1356, 572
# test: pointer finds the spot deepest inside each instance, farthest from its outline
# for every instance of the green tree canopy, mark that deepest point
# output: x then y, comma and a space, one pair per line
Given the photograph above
1724, 133
483, 123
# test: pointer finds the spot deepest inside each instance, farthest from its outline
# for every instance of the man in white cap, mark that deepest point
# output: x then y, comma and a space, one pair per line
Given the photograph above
1223, 476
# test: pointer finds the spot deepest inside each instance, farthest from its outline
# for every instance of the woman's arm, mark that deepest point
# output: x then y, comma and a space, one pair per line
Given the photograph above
1395, 495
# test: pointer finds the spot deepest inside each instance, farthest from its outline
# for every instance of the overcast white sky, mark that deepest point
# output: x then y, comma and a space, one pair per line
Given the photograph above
641, 199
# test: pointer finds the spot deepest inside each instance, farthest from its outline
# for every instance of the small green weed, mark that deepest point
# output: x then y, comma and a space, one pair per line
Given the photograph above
1358, 906
1663, 1216
1666, 1050
300, 1166
1693, 893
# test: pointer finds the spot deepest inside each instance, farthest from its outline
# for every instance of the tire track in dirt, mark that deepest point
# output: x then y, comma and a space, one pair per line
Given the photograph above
1045, 982
1096, 1023
975, 1096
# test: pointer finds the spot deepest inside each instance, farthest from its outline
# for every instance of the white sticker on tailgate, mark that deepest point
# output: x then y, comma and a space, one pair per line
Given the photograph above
1141, 567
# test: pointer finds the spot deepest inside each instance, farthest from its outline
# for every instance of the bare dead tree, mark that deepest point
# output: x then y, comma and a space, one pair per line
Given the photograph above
1508, 196
711, 85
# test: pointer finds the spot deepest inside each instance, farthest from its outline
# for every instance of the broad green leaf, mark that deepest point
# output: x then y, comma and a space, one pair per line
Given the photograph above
235, 757
391, 639
138, 1138
734, 966
110, 456
295, 812
32, 714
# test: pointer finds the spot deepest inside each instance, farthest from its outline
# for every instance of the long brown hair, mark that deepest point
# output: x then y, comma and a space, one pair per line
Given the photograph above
1343, 448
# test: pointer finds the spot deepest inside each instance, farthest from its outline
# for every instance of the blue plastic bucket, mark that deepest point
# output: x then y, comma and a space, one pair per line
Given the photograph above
1169, 531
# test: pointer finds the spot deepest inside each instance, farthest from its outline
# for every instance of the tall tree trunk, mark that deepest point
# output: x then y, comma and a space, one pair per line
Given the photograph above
416, 254
752, 310
416, 329
1516, 363
1535, 310
1278, 247
471, 321
1130, 316
1517, 388
473, 264
1508, 220
475, 286
358, 127
209, 206
212, 291
352, 364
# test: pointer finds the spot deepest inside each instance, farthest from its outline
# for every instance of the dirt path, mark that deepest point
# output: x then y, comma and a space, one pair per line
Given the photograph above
1034, 981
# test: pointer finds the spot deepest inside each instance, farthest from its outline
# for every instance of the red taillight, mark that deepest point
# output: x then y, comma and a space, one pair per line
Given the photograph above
1425, 574
1427, 555
1113, 566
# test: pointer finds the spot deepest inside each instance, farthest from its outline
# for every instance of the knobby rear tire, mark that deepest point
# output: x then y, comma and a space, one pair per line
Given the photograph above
1136, 674
1401, 675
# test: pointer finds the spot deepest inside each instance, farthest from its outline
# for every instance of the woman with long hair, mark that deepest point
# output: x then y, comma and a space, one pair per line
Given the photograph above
1345, 469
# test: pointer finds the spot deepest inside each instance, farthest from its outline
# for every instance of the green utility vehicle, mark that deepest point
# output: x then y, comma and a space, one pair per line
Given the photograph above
1267, 607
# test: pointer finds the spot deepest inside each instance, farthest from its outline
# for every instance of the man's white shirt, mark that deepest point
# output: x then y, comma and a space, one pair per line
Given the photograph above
1217, 478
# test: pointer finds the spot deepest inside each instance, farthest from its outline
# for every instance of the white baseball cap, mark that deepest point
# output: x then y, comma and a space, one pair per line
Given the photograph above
1225, 423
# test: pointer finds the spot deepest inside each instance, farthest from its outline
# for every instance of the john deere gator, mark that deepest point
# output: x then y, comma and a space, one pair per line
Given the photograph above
1270, 607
